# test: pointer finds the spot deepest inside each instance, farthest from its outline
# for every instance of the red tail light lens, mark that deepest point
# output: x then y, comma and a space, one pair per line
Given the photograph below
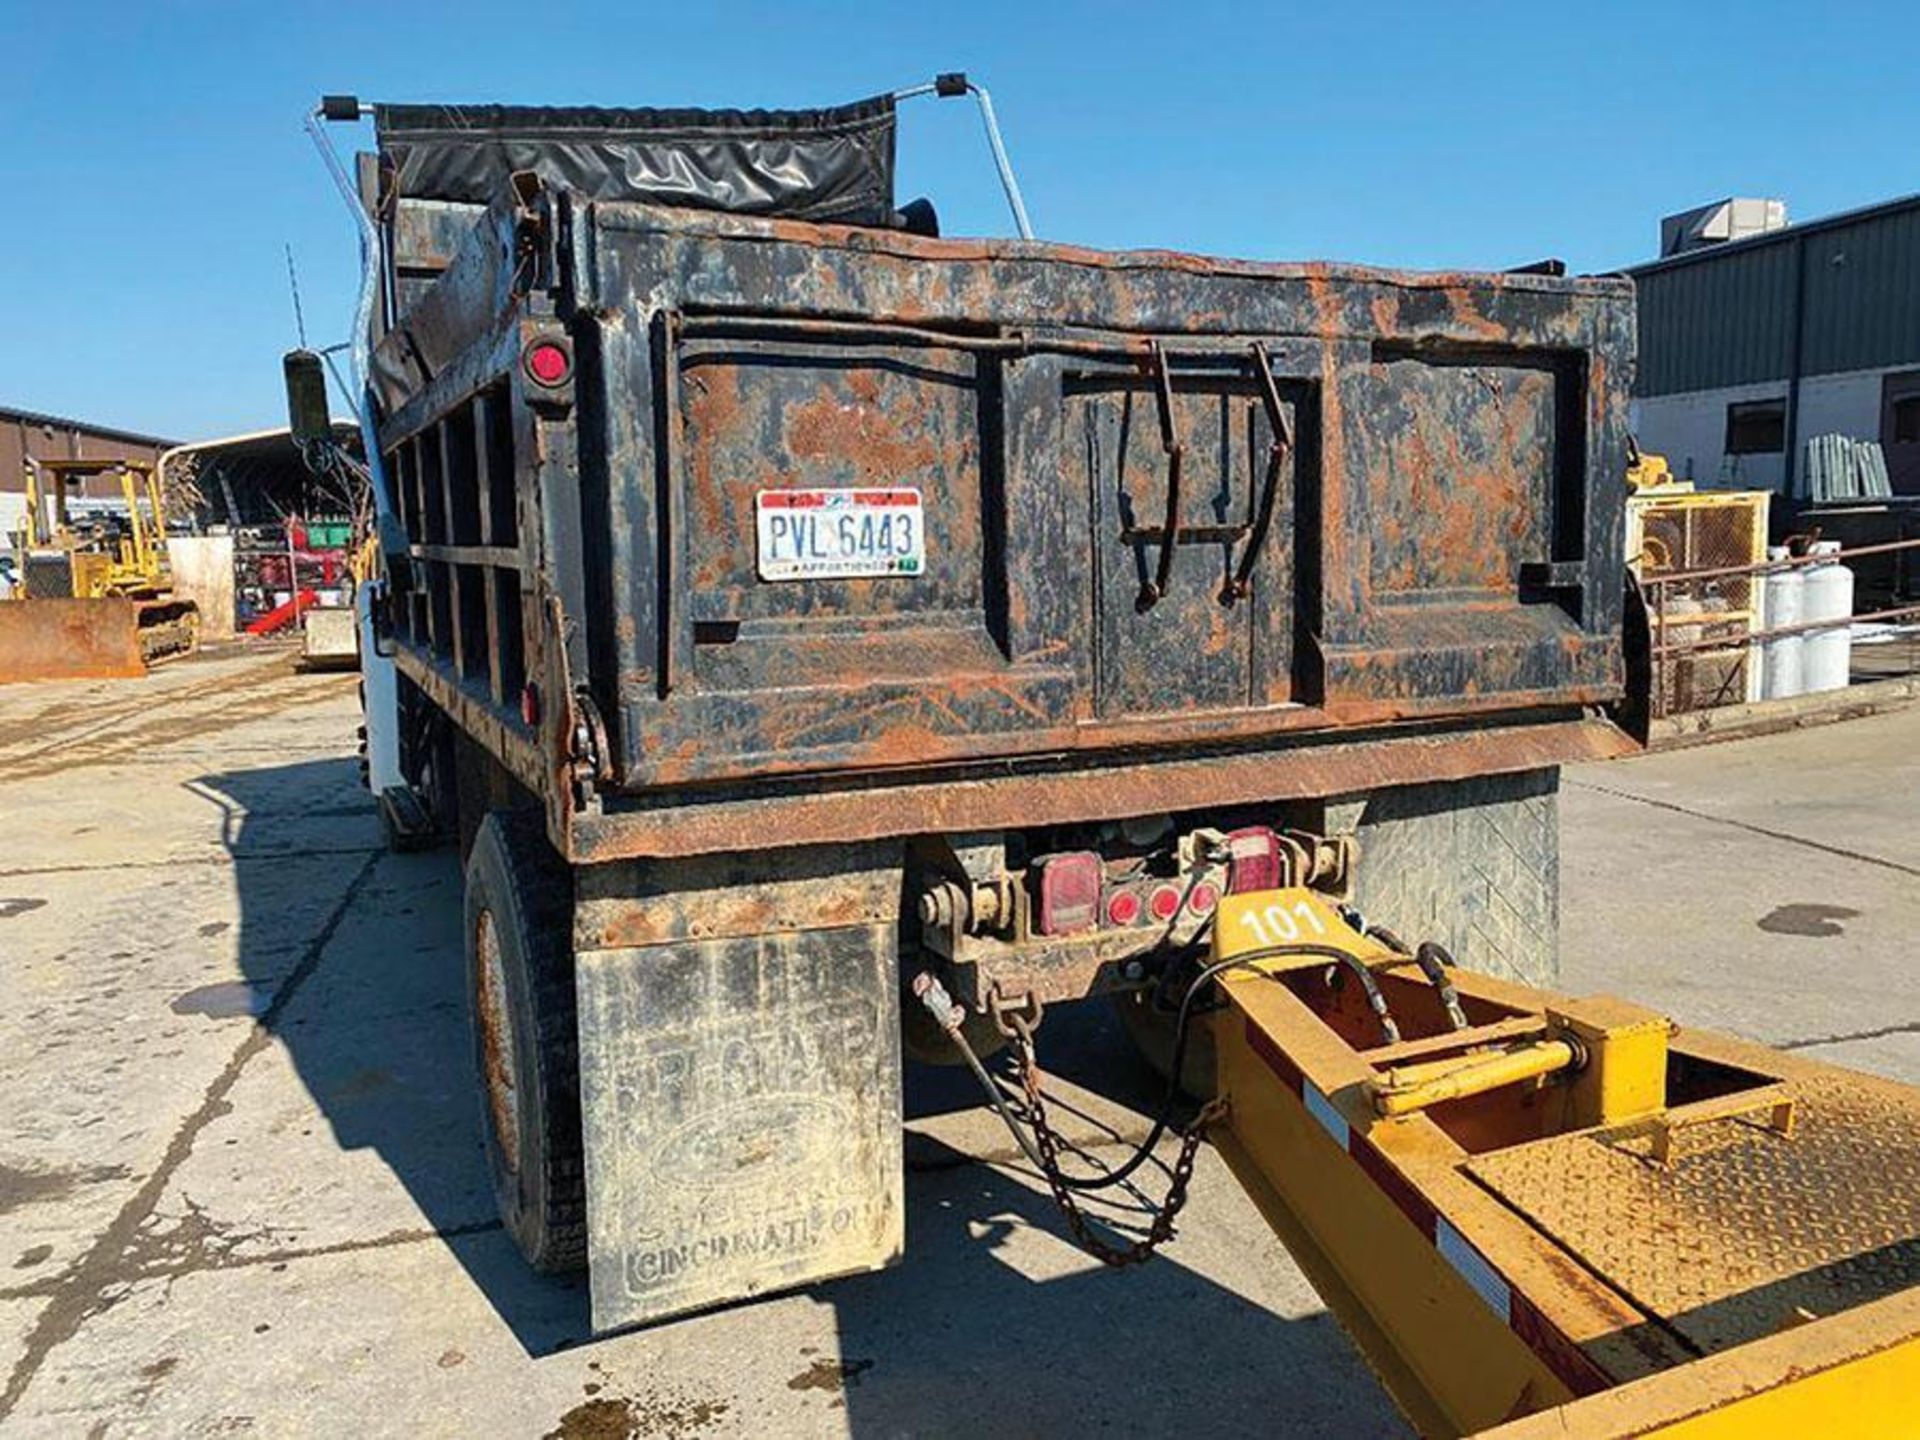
1164, 903
1123, 907
1069, 892
1253, 860
548, 363
1205, 896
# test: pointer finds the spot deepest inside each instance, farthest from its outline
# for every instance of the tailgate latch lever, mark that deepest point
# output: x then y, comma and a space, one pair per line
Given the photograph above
1168, 533
1152, 590
1242, 581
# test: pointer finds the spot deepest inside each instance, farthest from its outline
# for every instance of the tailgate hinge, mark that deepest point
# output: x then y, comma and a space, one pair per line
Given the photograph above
589, 753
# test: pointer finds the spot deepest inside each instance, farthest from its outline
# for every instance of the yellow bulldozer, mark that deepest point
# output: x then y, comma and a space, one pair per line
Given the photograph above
95, 599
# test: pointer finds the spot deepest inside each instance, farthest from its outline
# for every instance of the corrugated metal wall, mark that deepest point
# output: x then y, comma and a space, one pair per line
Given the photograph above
48, 437
1724, 321
1863, 295
1727, 318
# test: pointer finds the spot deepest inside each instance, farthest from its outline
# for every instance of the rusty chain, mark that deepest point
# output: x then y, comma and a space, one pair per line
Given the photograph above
1161, 1229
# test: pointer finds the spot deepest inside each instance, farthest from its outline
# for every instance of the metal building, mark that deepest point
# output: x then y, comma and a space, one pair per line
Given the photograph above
53, 437
1751, 346
26, 433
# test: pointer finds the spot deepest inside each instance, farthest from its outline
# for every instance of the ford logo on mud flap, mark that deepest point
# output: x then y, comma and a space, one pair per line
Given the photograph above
765, 1141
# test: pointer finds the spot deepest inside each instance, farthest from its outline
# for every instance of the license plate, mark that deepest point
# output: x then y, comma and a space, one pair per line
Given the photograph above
839, 534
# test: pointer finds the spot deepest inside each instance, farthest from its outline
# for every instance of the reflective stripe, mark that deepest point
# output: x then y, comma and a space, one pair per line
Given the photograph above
1473, 1268
1322, 1110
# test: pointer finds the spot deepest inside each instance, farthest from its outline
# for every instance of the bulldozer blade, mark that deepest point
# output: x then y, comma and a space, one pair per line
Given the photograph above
70, 640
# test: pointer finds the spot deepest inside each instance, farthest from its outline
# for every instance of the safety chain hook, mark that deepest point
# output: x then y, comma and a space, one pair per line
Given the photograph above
1161, 1229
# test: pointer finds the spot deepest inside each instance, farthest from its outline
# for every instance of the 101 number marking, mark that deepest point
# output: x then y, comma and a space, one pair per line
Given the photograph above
1281, 923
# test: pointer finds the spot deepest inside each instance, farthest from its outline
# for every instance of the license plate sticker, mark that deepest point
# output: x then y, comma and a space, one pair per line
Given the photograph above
839, 534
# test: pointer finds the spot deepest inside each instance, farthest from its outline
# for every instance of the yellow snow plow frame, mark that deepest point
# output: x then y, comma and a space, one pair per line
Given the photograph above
1542, 1216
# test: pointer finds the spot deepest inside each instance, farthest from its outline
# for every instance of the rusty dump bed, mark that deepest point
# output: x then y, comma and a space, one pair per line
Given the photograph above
1397, 517
1570, 1208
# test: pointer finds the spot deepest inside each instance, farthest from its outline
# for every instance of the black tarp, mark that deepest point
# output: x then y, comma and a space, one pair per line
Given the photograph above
832, 164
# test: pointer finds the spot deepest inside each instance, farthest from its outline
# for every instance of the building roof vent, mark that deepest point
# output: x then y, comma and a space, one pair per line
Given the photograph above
1718, 223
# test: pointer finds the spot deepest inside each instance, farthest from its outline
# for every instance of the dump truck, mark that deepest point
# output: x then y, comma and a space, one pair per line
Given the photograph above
832, 642
94, 602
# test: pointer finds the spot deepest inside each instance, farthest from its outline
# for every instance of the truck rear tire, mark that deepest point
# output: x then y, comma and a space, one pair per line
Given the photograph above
518, 938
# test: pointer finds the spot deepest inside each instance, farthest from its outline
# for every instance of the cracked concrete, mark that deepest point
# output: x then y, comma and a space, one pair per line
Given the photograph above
241, 1185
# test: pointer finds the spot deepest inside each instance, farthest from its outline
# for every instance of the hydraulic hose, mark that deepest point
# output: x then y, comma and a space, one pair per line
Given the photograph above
1434, 961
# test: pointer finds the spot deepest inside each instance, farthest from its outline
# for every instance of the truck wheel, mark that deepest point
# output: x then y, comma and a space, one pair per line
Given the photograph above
519, 935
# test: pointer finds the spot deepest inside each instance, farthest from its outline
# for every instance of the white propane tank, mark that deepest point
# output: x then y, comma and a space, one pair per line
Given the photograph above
1784, 598
1828, 596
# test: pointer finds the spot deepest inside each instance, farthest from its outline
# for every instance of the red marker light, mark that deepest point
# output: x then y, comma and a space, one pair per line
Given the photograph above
1123, 907
1164, 902
530, 705
548, 363
1255, 862
1205, 896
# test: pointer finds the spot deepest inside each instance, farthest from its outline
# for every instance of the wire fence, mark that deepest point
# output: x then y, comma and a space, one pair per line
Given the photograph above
1713, 635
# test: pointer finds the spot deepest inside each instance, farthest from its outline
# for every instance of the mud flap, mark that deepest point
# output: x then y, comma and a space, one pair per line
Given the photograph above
740, 1106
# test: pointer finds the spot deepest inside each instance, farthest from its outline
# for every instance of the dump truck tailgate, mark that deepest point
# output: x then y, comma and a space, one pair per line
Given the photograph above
1441, 537
1395, 496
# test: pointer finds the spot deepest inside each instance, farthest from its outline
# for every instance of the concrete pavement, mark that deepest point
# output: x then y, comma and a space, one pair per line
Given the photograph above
241, 1185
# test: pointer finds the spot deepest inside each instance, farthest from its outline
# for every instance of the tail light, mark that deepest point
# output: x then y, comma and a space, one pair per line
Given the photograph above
1253, 860
1204, 897
1164, 903
1069, 892
1123, 907
548, 363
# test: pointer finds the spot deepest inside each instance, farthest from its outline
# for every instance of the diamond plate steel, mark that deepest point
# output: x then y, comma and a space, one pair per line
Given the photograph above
1746, 1232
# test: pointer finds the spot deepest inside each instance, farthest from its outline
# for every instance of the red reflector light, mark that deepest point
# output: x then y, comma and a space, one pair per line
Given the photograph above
1164, 903
1069, 892
530, 705
1253, 860
1123, 907
1205, 896
548, 362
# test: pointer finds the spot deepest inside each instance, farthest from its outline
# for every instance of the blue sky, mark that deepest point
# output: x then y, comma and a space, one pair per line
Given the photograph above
156, 165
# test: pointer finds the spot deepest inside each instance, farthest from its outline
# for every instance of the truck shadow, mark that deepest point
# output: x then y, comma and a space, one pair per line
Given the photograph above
377, 1033
986, 1331
982, 1330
